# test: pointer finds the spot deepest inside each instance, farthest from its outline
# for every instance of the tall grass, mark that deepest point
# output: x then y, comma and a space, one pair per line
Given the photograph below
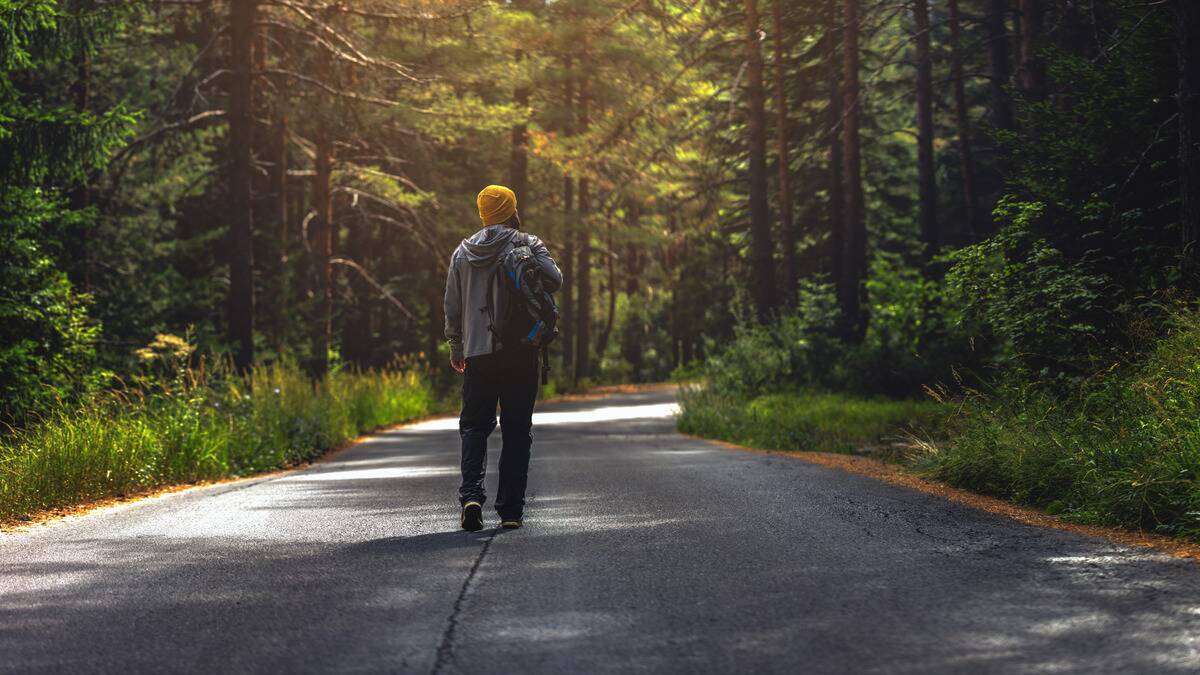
1122, 449
193, 426
805, 421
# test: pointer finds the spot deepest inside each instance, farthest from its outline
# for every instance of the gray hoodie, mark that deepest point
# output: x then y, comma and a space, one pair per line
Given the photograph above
473, 263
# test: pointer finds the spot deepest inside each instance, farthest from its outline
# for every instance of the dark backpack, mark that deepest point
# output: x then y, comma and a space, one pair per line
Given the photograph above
529, 316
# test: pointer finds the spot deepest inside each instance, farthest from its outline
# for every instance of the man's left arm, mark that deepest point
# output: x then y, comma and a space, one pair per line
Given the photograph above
553, 276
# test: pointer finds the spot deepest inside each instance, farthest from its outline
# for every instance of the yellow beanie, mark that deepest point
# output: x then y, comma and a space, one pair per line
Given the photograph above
496, 204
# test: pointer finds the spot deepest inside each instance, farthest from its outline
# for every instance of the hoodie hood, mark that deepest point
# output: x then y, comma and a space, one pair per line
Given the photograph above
486, 245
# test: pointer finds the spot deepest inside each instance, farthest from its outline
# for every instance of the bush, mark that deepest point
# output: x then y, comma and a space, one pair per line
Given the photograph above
1121, 449
47, 341
195, 426
797, 349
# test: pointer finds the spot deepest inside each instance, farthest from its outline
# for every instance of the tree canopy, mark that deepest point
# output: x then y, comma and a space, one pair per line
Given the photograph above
934, 188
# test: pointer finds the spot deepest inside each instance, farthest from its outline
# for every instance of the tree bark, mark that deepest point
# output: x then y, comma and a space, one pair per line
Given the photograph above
926, 176
786, 223
322, 253
583, 247
606, 333
243, 14
80, 195
998, 62
837, 196
631, 333
1188, 25
966, 157
761, 257
566, 294
1031, 72
519, 160
855, 267
670, 267
280, 184
358, 306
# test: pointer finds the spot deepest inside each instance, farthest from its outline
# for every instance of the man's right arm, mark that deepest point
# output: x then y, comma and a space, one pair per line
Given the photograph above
452, 304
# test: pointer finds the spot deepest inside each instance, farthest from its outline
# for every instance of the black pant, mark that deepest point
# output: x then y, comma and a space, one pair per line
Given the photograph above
510, 377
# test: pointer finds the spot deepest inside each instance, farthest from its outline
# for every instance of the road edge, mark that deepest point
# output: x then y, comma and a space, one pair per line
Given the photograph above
896, 475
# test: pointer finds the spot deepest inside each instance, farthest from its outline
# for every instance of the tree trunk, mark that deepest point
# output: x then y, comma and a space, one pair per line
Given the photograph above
1031, 72
566, 299
997, 30
280, 184
358, 307
786, 224
837, 195
519, 160
606, 333
855, 266
242, 16
926, 176
761, 256
970, 200
437, 322
322, 253
567, 292
631, 334
670, 268
1188, 25
583, 247
81, 195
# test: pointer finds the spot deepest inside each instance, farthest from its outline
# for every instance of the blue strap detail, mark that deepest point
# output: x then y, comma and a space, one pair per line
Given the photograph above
536, 327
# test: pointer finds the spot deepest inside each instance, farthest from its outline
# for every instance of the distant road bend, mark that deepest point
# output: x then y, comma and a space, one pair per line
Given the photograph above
644, 551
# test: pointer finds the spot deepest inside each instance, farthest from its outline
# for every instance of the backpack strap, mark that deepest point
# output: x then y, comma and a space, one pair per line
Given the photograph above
489, 305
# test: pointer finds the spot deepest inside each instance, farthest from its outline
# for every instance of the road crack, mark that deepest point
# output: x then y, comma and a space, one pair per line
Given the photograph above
445, 651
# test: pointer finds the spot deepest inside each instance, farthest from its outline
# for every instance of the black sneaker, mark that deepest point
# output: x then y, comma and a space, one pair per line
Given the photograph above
472, 517
510, 523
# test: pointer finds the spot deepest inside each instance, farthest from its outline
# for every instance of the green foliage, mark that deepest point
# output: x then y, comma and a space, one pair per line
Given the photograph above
796, 350
1122, 448
1088, 237
807, 422
195, 426
1048, 313
47, 343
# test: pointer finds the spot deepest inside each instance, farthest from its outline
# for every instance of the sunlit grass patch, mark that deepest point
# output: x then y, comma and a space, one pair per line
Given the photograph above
821, 422
195, 428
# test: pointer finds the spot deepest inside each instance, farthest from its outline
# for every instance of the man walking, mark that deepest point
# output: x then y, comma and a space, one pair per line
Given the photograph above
494, 372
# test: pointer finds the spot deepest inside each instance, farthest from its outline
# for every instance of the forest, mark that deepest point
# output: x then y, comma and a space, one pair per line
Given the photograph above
962, 229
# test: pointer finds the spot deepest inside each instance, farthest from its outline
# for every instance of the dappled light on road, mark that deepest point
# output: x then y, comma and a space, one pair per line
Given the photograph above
586, 416
377, 473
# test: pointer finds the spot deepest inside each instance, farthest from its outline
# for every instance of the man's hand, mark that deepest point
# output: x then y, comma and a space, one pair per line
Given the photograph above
458, 364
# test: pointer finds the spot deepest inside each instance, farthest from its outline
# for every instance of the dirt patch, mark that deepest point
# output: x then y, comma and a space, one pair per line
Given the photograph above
897, 475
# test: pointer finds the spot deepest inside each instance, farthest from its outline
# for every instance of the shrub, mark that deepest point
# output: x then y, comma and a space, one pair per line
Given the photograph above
1123, 448
194, 426
796, 349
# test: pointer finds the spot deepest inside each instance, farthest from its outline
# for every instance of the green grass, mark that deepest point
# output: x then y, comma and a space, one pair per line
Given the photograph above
822, 422
1123, 448
195, 429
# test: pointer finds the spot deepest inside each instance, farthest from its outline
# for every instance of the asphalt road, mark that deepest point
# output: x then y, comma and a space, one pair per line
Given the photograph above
643, 551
